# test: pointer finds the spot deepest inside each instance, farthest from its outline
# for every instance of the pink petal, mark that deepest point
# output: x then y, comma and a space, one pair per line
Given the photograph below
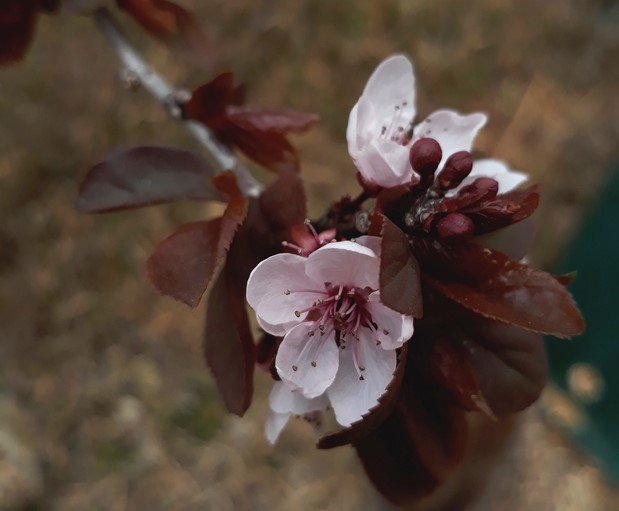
284, 400
508, 179
277, 330
344, 263
383, 162
454, 132
399, 327
391, 84
278, 287
274, 425
515, 240
371, 242
297, 352
351, 397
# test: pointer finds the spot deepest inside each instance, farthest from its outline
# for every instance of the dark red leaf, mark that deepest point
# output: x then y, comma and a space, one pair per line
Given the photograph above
489, 366
284, 203
269, 149
228, 345
567, 278
400, 285
487, 282
266, 350
168, 22
144, 176
183, 264
17, 23
417, 447
376, 416
209, 102
281, 205
503, 210
482, 189
278, 121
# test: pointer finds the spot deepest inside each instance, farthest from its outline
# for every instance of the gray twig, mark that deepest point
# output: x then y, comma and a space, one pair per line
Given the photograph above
161, 90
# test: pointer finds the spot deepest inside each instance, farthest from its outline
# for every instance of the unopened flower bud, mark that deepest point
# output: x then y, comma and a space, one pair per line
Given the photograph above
425, 155
457, 167
455, 226
486, 187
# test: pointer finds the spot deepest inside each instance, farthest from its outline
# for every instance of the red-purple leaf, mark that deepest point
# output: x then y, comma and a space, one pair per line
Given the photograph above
400, 286
374, 417
144, 176
489, 283
228, 345
168, 22
415, 449
183, 264
278, 121
488, 366
283, 202
17, 23
281, 205
209, 102
269, 149
503, 210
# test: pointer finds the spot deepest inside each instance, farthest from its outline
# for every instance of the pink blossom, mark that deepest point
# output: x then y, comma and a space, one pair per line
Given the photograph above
381, 130
339, 340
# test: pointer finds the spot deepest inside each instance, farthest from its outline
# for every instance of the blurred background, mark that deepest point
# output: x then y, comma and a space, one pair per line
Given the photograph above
105, 402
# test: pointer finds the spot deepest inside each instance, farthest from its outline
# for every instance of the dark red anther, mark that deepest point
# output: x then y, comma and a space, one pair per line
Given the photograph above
457, 167
455, 226
425, 156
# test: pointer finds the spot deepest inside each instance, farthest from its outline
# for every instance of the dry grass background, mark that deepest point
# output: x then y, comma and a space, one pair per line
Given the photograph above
104, 399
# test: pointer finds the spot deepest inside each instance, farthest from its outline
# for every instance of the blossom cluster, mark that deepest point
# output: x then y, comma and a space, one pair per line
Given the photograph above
396, 311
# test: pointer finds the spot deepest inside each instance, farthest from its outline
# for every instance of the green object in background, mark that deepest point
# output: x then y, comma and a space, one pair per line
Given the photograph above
587, 368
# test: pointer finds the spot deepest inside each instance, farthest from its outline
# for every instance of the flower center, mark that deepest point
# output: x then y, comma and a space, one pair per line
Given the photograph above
396, 130
344, 310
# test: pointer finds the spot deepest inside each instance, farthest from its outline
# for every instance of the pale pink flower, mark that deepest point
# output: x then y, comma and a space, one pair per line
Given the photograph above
339, 340
284, 402
381, 131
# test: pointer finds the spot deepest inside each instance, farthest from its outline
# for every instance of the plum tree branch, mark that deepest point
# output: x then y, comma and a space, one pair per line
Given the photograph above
161, 90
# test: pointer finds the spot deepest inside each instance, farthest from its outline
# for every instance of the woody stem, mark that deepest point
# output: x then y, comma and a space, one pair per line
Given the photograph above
163, 92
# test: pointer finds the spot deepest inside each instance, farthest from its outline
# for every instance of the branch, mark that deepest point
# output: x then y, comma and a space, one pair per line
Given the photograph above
161, 90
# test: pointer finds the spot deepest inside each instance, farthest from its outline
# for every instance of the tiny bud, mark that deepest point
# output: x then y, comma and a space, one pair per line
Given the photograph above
313, 363
487, 186
456, 168
295, 368
455, 226
297, 314
425, 156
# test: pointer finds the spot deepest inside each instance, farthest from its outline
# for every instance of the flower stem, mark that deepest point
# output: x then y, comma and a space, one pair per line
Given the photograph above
163, 92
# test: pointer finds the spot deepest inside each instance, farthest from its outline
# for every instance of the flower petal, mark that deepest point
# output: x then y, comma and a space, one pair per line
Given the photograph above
398, 327
453, 131
515, 240
344, 263
274, 425
371, 242
278, 287
508, 179
391, 85
284, 400
383, 162
351, 397
307, 362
